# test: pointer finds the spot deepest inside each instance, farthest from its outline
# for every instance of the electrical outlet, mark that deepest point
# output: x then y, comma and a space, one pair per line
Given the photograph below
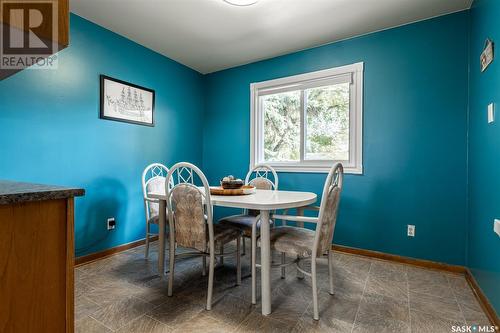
111, 223
496, 227
411, 230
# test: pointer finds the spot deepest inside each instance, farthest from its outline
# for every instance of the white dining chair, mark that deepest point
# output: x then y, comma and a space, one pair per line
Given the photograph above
304, 243
190, 216
153, 181
263, 177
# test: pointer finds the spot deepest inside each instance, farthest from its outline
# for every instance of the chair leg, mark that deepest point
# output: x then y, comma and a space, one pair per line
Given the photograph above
300, 275
254, 267
314, 289
330, 271
244, 246
148, 230
222, 254
238, 261
283, 260
204, 271
171, 257
210, 280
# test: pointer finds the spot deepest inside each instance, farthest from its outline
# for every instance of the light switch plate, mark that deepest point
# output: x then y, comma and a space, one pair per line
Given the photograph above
496, 227
491, 113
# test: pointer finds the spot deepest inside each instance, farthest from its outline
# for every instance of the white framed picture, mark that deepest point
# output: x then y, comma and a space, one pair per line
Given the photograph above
126, 102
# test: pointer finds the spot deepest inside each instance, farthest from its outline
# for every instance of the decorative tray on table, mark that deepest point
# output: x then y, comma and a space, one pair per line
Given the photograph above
231, 186
244, 190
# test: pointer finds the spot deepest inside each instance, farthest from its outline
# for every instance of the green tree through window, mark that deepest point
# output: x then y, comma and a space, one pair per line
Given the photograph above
326, 130
282, 126
308, 121
327, 123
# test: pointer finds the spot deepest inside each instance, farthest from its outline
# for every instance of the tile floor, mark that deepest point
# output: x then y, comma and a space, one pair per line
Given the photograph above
124, 293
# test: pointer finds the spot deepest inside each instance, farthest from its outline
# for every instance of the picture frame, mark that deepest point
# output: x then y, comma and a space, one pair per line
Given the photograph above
126, 102
487, 55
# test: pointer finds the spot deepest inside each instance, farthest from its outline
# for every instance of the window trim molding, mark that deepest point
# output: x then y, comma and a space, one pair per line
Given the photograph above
355, 125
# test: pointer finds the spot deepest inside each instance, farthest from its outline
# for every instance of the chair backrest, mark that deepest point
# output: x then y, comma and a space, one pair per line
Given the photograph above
260, 175
328, 210
189, 207
153, 180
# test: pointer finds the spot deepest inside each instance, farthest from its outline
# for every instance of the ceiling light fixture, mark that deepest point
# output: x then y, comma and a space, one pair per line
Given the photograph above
241, 3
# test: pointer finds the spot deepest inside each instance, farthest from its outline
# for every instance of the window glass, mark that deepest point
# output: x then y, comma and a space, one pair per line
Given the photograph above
281, 126
327, 123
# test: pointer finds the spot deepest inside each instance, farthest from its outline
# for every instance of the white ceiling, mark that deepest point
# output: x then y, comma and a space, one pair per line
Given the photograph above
210, 35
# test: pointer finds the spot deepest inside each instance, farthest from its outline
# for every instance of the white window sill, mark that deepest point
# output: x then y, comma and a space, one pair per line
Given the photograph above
313, 169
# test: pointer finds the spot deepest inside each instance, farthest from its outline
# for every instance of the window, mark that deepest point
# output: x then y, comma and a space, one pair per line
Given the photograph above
305, 123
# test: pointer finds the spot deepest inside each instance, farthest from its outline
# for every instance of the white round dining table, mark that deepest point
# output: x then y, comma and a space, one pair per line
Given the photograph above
264, 201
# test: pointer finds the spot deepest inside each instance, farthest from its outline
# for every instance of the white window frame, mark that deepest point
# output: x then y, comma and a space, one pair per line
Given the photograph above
318, 78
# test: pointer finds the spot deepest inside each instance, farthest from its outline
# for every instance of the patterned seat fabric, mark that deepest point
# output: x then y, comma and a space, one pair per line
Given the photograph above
331, 207
189, 217
260, 183
224, 234
155, 185
154, 219
243, 222
191, 229
296, 241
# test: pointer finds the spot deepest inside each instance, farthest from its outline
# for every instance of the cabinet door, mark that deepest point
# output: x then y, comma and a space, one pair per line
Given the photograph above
36, 279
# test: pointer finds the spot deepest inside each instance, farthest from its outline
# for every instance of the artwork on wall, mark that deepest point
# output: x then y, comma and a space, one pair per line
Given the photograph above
127, 102
487, 55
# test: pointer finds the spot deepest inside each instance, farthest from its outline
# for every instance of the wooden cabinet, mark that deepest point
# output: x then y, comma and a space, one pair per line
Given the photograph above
36, 261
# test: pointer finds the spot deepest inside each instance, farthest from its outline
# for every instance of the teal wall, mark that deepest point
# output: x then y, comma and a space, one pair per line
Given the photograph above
415, 130
50, 131
483, 255
415, 123
417, 92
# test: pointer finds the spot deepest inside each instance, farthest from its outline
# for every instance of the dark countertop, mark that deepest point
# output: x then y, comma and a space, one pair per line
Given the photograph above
16, 192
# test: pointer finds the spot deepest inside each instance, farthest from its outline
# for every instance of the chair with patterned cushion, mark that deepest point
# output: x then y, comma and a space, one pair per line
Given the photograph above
190, 216
248, 221
153, 180
304, 243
